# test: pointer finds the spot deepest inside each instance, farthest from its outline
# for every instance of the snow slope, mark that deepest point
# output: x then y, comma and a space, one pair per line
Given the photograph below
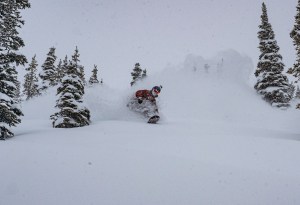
217, 143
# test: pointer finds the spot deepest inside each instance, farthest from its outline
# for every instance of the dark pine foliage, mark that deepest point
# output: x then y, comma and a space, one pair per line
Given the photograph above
49, 73
31, 80
10, 43
72, 112
144, 74
94, 77
136, 74
295, 35
80, 68
59, 72
64, 67
271, 83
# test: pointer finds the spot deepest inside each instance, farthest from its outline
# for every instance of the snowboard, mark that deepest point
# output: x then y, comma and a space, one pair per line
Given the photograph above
153, 119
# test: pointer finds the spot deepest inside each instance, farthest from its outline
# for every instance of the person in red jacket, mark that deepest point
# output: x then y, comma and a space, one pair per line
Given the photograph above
144, 102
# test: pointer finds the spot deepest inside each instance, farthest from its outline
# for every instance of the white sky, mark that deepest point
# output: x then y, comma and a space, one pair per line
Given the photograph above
115, 34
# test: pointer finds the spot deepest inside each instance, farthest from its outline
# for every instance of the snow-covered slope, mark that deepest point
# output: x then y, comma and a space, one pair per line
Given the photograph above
217, 143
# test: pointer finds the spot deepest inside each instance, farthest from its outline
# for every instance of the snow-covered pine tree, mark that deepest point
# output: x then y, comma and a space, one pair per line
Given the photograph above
271, 83
81, 74
65, 66
72, 112
59, 72
136, 74
31, 80
94, 77
144, 74
10, 43
76, 60
18, 92
48, 73
295, 35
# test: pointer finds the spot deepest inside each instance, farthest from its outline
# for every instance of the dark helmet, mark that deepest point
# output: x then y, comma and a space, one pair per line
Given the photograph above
156, 90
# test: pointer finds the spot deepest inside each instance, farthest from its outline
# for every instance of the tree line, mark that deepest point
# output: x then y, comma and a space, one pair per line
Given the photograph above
52, 75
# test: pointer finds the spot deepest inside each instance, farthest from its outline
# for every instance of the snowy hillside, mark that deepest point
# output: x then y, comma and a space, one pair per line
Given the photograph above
217, 143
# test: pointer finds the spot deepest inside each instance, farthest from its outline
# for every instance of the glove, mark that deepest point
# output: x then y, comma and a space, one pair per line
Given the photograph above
140, 101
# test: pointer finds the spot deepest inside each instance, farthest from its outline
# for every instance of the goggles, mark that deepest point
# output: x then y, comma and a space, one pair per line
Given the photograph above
156, 91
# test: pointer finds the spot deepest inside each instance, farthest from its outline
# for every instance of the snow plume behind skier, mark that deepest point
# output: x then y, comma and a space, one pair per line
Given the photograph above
144, 102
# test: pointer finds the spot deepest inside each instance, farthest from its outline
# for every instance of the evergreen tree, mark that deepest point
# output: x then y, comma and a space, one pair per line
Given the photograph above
64, 66
48, 74
136, 74
81, 74
72, 112
144, 74
94, 78
295, 35
18, 92
31, 80
76, 60
271, 83
59, 72
10, 43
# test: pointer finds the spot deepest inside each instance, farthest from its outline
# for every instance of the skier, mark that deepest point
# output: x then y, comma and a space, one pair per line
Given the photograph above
144, 102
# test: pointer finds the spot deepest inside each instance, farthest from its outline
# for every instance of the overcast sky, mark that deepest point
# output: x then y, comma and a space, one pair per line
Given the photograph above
115, 34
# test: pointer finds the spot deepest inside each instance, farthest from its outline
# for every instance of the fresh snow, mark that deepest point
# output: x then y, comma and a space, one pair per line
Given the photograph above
217, 142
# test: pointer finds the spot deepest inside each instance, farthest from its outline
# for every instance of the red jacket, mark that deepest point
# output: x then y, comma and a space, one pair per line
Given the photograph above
145, 95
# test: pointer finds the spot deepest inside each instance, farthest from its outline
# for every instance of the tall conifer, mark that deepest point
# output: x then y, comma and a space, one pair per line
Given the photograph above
31, 80
136, 74
10, 43
271, 83
48, 73
71, 110
94, 77
59, 72
75, 59
295, 35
